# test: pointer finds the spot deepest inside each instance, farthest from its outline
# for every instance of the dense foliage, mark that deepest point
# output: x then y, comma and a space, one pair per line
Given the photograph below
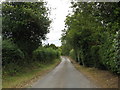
92, 36
45, 55
11, 53
25, 25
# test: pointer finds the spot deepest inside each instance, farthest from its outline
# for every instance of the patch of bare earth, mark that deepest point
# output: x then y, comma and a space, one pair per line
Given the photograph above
102, 78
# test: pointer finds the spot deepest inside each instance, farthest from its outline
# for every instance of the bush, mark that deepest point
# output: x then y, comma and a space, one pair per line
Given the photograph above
45, 55
72, 54
11, 53
109, 55
95, 57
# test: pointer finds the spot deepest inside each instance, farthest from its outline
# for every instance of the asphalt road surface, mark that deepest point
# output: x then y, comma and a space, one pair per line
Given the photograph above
64, 76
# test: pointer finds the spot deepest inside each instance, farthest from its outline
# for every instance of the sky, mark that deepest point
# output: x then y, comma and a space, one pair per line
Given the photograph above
59, 10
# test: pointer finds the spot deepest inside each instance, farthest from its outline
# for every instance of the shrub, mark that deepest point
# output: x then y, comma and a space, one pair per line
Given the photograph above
11, 53
109, 55
72, 54
95, 57
45, 55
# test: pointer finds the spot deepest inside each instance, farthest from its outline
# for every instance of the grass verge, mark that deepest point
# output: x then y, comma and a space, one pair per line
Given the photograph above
102, 78
23, 80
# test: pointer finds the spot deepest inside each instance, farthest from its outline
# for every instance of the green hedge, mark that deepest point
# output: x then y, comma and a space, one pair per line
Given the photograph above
108, 54
10, 53
72, 53
12, 58
45, 55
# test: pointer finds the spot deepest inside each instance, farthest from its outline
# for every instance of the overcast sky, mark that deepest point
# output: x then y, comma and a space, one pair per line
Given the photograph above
59, 11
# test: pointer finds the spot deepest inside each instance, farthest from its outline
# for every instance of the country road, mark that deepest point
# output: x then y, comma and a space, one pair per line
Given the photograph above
64, 76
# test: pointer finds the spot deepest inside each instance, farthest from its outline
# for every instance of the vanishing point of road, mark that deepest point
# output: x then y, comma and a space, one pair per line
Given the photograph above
64, 76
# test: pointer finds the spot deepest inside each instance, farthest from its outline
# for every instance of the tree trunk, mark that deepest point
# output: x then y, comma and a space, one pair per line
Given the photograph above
82, 59
78, 57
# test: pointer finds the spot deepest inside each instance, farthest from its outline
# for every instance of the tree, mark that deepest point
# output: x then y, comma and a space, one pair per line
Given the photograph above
91, 34
26, 23
51, 46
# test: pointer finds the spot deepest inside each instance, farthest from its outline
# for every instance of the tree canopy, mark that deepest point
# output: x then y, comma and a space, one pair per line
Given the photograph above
26, 23
24, 26
91, 34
